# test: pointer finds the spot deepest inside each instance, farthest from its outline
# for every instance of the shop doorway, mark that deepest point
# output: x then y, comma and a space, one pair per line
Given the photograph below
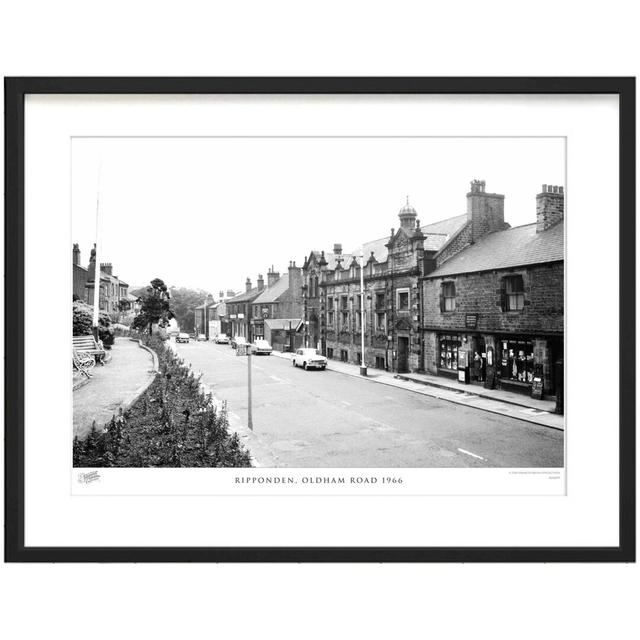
403, 355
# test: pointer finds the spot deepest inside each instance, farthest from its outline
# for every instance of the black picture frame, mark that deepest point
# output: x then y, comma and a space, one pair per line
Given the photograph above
15, 91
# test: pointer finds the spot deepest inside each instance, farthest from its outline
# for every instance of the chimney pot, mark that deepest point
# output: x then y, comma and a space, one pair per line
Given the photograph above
337, 249
549, 206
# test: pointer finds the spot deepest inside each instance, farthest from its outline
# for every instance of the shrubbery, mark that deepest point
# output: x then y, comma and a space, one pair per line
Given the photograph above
83, 323
173, 424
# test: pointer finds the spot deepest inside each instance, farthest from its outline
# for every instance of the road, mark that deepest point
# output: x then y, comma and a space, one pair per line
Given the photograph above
329, 419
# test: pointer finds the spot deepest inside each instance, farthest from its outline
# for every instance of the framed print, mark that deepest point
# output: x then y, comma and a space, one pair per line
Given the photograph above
320, 319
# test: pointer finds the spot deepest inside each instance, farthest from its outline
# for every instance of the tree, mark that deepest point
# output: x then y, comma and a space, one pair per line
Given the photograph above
155, 308
184, 301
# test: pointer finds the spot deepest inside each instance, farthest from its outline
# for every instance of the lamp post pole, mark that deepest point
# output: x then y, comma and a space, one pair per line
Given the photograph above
249, 413
96, 264
363, 364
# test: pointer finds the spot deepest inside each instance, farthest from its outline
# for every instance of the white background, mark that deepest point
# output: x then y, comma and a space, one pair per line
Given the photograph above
314, 601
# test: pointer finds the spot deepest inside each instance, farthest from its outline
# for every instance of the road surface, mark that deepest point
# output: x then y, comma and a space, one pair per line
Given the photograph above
329, 419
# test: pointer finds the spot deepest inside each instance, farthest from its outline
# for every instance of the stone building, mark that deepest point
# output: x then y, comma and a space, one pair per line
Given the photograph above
114, 296
277, 311
239, 311
493, 300
392, 269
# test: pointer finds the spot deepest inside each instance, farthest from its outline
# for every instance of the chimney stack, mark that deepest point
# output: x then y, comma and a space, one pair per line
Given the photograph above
260, 282
221, 293
248, 285
337, 249
295, 280
106, 267
76, 254
485, 211
549, 207
272, 277
231, 293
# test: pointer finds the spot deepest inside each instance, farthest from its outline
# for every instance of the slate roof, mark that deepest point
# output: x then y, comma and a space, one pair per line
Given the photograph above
514, 247
246, 296
436, 234
283, 323
272, 293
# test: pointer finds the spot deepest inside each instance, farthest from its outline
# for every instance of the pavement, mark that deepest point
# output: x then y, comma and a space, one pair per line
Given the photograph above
337, 418
116, 384
505, 403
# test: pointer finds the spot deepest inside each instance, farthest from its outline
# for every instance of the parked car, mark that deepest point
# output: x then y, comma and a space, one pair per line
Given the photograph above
201, 337
236, 340
221, 338
261, 346
182, 337
309, 359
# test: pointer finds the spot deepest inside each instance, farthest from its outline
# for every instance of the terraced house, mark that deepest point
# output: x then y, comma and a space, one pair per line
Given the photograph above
493, 311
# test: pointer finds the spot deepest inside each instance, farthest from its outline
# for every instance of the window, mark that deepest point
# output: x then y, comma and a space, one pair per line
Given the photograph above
449, 345
513, 293
379, 362
358, 357
344, 355
403, 300
330, 353
345, 318
379, 300
517, 360
344, 302
380, 322
448, 296
330, 318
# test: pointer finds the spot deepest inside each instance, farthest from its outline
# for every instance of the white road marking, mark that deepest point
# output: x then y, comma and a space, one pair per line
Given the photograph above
279, 379
470, 454
345, 402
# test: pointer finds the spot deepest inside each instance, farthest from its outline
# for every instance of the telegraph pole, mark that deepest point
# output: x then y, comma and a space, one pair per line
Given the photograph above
249, 416
96, 274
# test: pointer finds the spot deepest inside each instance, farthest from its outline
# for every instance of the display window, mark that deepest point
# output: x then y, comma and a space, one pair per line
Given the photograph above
517, 360
449, 345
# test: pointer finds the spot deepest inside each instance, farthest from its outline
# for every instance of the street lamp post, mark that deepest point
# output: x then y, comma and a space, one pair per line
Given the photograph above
363, 364
249, 412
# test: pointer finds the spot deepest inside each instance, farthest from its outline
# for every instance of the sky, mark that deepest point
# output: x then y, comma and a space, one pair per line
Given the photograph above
206, 213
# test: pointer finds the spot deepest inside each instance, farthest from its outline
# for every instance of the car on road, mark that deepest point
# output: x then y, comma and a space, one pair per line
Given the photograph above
182, 337
201, 337
261, 346
221, 338
236, 340
309, 359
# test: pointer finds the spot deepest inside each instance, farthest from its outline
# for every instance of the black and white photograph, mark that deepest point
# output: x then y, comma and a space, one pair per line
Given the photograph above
318, 301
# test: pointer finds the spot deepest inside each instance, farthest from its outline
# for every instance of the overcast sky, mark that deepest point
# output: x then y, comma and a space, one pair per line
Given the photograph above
209, 212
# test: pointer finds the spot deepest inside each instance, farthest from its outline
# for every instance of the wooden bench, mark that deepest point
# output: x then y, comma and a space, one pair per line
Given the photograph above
87, 344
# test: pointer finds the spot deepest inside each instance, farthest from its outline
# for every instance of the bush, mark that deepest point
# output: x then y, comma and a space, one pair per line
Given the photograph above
173, 424
83, 323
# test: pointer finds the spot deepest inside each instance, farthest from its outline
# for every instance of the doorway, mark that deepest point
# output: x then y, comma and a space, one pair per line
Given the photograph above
403, 355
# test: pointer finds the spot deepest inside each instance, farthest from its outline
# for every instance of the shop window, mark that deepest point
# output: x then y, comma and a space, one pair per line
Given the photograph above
512, 293
517, 360
403, 300
449, 345
448, 296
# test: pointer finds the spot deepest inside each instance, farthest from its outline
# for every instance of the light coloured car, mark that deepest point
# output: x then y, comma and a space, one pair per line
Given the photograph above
201, 337
309, 359
182, 337
261, 346
221, 338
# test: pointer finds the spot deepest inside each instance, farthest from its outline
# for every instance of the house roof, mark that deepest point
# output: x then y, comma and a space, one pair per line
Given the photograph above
283, 323
435, 235
514, 247
246, 296
272, 293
